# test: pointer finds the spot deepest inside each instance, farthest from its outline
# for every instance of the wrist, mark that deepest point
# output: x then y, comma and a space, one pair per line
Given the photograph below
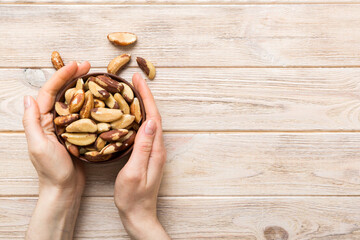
55, 214
63, 198
143, 227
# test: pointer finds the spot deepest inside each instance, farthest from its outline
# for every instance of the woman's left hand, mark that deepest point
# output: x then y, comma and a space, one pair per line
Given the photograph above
61, 180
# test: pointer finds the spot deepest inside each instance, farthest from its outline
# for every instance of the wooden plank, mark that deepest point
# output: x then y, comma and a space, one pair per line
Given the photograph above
193, 35
231, 99
210, 218
173, 2
220, 164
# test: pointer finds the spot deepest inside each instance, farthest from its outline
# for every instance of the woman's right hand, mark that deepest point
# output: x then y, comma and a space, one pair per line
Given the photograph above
137, 184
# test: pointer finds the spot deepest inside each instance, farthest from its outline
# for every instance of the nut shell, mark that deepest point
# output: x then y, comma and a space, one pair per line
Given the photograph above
135, 110
103, 127
95, 156
147, 67
56, 60
83, 125
113, 135
62, 108
77, 101
118, 63
85, 111
127, 93
122, 38
106, 114
98, 91
79, 139
107, 83
65, 120
111, 148
123, 105
123, 122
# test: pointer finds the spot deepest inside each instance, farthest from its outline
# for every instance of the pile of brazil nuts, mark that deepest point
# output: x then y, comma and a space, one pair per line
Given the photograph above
98, 118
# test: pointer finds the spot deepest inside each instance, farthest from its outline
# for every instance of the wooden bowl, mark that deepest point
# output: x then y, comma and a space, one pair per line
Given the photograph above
61, 97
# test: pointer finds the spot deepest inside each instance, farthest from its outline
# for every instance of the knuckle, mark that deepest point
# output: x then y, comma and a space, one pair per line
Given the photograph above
36, 150
145, 147
132, 177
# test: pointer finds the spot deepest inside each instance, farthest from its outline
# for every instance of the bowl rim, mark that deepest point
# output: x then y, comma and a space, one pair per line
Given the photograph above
61, 94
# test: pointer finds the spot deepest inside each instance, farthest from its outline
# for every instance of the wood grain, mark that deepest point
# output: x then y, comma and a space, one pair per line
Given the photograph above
241, 35
174, 2
230, 99
209, 218
220, 164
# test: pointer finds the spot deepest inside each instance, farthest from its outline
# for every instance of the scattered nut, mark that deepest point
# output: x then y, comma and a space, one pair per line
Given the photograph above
77, 101
123, 122
83, 125
107, 83
114, 135
112, 103
65, 120
135, 110
56, 60
147, 67
103, 127
98, 91
127, 93
85, 111
62, 108
74, 150
79, 139
122, 103
117, 63
98, 103
106, 114
122, 38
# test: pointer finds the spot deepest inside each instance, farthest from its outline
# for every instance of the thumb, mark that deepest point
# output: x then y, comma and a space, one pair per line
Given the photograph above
31, 121
143, 145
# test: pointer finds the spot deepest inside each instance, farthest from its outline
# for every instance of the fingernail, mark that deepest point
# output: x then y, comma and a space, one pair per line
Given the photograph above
150, 127
27, 101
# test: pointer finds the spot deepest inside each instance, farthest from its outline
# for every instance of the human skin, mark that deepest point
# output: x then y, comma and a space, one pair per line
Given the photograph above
137, 184
62, 180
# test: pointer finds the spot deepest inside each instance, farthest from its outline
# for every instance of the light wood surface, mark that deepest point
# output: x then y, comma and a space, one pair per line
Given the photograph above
173, 2
239, 35
260, 107
225, 99
221, 164
324, 218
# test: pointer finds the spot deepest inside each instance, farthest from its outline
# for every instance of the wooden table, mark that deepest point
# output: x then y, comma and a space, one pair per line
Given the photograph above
260, 102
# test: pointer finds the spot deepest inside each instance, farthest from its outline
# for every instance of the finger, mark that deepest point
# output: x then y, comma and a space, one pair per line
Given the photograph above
31, 122
47, 93
142, 148
83, 68
145, 93
157, 158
